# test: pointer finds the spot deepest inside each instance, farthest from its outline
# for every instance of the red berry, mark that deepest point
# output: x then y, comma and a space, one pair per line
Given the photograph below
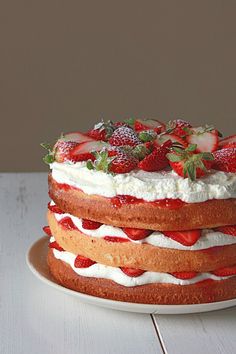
83, 151
97, 134
90, 225
225, 160
55, 209
115, 239
124, 136
76, 137
155, 161
132, 272
229, 145
186, 238
67, 223
179, 125
55, 245
62, 150
146, 124
226, 271
123, 163
172, 137
184, 275
227, 140
83, 262
47, 230
136, 234
206, 141
228, 230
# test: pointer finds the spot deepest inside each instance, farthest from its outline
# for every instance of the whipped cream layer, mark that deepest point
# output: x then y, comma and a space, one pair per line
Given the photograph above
98, 270
209, 238
149, 186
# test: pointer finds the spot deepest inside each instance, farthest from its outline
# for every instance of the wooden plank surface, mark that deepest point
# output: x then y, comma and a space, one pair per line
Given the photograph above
208, 333
37, 319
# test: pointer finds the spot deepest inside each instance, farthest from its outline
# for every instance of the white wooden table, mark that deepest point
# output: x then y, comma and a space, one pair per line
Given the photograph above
35, 318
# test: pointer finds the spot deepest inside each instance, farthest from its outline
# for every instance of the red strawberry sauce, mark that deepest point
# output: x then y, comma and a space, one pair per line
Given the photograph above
120, 200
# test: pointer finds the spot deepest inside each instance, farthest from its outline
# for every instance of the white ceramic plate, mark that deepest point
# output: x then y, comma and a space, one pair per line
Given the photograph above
36, 260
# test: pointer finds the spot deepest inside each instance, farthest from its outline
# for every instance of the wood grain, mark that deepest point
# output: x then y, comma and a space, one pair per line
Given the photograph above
37, 319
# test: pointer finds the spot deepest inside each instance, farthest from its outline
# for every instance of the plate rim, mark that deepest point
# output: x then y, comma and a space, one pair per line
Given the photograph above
121, 305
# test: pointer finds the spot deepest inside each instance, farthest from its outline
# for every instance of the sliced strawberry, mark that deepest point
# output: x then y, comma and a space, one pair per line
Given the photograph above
186, 163
47, 230
55, 245
227, 140
205, 139
228, 230
123, 163
225, 272
132, 272
178, 126
90, 225
157, 160
83, 151
83, 262
124, 136
144, 124
102, 130
184, 275
136, 234
174, 138
115, 239
67, 223
225, 160
186, 238
55, 209
77, 137
97, 134
62, 150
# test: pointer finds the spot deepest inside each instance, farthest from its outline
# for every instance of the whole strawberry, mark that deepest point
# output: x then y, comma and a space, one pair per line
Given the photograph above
157, 160
225, 160
178, 127
124, 136
102, 131
114, 161
62, 150
187, 163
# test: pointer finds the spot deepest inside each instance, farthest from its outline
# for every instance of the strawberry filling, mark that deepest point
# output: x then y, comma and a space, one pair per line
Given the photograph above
184, 275
55, 209
120, 200
55, 245
137, 234
115, 239
229, 230
47, 230
132, 272
83, 262
90, 225
67, 223
186, 238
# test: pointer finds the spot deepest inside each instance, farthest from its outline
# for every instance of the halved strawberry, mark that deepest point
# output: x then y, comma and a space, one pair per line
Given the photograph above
187, 163
225, 160
144, 124
47, 230
227, 140
55, 245
157, 160
136, 234
62, 150
132, 272
83, 151
172, 137
206, 139
67, 223
186, 238
184, 275
90, 225
228, 230
55, 209
124, 136
77, 137
83, 262
115, 239
226, 271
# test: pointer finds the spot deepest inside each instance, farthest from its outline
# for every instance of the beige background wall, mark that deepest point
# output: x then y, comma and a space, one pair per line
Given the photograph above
65, 64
